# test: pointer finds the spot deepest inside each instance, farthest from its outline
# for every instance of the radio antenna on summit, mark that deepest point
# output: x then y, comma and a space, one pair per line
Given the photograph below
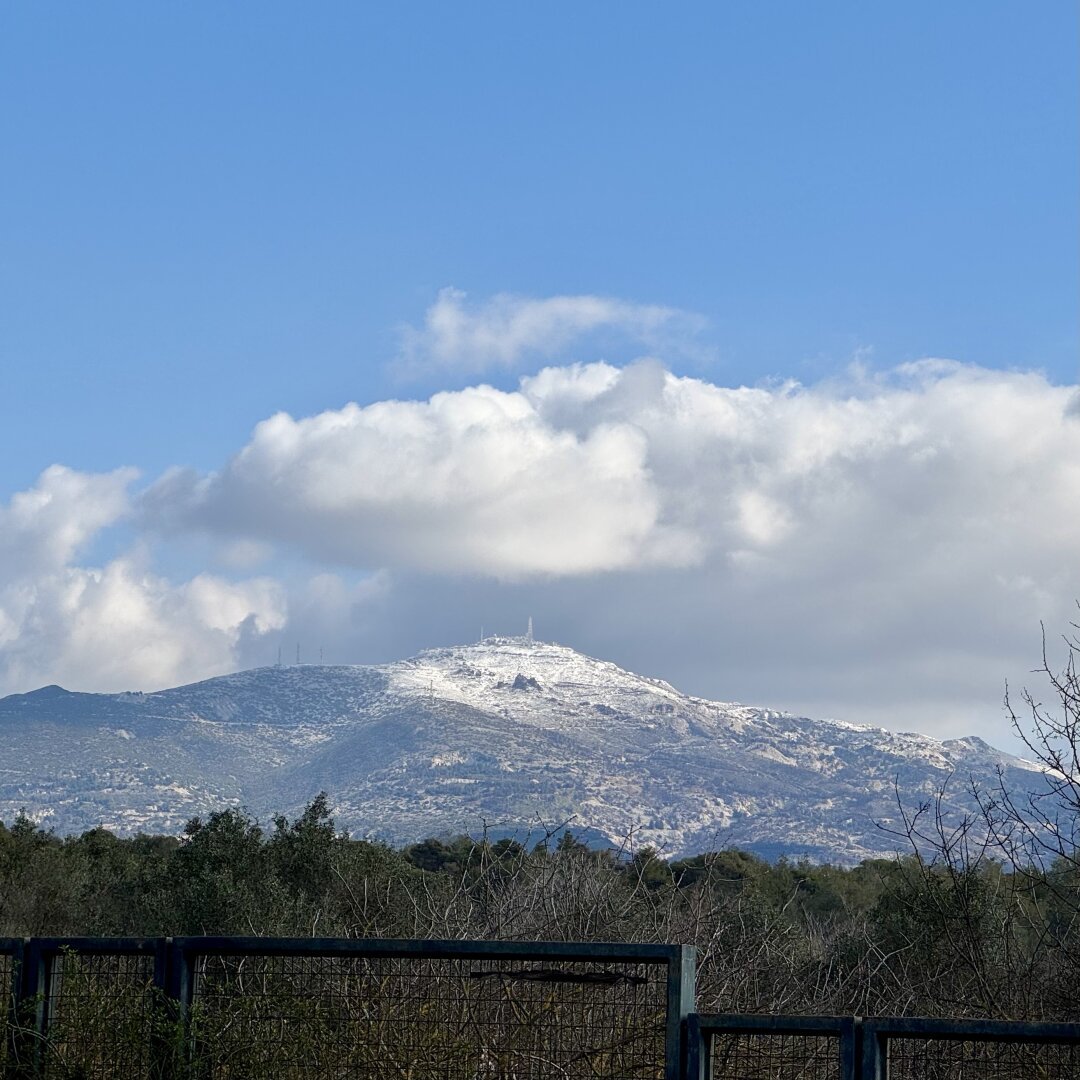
529, 633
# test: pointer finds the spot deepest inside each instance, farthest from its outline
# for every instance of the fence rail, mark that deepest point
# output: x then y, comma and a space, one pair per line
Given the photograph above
217, 1008
903, 1048
762, 1047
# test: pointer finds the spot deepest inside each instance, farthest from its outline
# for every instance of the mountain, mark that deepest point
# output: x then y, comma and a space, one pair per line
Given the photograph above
505, 734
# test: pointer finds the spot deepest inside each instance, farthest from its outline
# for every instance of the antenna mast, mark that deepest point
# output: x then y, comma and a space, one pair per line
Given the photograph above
529, 632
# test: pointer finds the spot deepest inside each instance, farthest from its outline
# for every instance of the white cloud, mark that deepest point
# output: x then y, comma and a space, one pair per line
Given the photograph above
590, 468
877, 547
119, 625
469, 482
43, 528
506, 329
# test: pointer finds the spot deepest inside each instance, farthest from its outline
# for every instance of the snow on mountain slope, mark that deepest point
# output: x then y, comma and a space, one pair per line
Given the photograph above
503, 734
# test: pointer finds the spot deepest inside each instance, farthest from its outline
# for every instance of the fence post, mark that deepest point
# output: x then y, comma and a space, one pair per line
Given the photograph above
14, 1005
698, 1056
30, 1007
163, 1040
179, 985
875, 1053
850, 1034
681, 985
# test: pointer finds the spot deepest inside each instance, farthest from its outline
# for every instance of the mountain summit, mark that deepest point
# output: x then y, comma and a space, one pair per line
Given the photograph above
503, 734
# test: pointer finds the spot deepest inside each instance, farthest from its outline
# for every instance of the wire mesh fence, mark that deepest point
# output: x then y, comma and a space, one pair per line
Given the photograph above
7, 1003
948, 1059
784, 1056
761, 1047
102, 1010
439, 1018
249, 1008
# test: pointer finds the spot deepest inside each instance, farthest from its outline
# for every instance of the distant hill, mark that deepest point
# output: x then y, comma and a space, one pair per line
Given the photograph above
504, 734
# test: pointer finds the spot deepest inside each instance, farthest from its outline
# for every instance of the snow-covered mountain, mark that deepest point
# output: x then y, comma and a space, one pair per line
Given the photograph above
504, 734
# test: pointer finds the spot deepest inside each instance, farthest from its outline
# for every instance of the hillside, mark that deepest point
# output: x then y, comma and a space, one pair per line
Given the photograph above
506, 733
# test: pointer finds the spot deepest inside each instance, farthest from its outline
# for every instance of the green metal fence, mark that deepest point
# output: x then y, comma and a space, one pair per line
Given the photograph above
249, 1008
216, 1008
762, 1047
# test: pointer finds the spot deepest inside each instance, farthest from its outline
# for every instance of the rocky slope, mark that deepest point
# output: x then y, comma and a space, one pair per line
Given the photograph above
505, 734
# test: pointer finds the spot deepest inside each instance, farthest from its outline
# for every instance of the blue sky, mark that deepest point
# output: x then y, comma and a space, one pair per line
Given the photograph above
213, 213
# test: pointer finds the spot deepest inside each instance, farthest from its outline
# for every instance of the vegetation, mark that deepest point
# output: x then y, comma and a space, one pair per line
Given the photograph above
958, 932
979, 918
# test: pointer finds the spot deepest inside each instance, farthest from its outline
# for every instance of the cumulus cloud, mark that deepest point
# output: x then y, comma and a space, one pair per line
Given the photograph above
119, 625
591, 468
505, 329
43, 528
475, 481
854, 547
877, 547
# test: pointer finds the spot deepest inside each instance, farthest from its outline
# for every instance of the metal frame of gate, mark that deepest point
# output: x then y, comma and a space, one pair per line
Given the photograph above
862, 1043
175, 960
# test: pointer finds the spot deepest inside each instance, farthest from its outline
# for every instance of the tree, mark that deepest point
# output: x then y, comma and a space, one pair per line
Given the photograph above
1042, 828
219, 876
301, 853
1038, 832
36, 891
994, 895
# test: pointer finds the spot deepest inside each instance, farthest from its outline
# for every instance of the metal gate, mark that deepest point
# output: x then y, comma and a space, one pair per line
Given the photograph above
380, 1010
763, 1047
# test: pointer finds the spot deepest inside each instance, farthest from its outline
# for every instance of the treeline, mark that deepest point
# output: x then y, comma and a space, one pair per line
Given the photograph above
953, 932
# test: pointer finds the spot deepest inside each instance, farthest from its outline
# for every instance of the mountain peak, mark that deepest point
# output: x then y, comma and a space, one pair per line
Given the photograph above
50, 691
500, 733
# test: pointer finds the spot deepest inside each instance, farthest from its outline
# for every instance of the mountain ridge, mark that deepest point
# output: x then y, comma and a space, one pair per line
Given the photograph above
505, 732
